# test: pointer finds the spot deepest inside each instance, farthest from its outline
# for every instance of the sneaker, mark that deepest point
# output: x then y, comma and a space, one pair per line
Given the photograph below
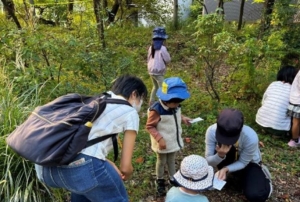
161, 187
292, 143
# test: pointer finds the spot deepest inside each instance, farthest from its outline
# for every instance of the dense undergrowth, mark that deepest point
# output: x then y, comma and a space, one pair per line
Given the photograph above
221, 66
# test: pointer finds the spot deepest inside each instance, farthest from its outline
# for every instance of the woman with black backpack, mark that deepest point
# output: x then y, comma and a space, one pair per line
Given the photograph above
91, 177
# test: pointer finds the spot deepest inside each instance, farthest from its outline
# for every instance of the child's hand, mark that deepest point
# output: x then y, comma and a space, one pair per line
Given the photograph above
186, 120
162, 144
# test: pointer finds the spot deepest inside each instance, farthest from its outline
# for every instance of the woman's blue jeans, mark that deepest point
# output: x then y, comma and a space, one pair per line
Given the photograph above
89, 179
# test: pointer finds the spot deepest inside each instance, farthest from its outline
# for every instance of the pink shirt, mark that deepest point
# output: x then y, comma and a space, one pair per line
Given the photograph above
157, 65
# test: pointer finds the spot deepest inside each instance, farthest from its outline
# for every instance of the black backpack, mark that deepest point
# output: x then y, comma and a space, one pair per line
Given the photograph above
54, 133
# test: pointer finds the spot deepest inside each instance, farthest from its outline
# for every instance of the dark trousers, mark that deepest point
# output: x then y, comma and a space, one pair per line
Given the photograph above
256, 187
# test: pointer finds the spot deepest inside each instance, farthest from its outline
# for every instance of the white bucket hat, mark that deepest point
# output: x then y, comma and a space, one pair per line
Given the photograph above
195, 173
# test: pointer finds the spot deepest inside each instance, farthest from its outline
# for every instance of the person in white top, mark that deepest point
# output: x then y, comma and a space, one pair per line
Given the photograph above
91, 177
271, 116
294, 111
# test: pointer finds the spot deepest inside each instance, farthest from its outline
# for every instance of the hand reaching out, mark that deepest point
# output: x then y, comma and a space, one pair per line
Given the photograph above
223, 150
261, 144
186, 120
222, 174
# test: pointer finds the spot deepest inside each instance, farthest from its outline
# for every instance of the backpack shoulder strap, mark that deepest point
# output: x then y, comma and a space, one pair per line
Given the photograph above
102, 138
98, 139
107, 97
113, 136
117, 101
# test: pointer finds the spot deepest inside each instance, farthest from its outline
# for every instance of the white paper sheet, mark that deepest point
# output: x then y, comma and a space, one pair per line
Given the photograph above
196, 120
217, 183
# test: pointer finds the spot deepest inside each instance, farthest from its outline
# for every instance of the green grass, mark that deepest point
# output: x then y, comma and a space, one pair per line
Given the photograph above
18, 180
127, 49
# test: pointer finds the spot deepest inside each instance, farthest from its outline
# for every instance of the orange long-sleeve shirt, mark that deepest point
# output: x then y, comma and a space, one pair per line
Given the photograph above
152, 121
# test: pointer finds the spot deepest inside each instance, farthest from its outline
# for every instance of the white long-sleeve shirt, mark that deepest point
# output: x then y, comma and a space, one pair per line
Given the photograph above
295, 90
272, 113
248, 147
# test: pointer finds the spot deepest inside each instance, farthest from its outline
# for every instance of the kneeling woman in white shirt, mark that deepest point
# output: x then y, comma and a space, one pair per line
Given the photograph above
271, 116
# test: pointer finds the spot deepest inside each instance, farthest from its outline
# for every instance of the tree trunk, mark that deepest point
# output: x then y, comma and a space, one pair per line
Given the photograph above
266, 19
30, 11
9, 8
134, 17
71, 6
27, 16
32, 8
241, 14
175, 14
112, 14
99, 20
70, 12
105, 4
221, 5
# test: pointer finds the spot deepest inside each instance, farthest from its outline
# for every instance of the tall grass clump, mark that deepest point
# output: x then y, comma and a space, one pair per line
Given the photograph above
18, 181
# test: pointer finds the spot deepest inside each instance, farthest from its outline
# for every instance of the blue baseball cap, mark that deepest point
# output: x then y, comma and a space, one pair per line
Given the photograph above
173, 87
159, 33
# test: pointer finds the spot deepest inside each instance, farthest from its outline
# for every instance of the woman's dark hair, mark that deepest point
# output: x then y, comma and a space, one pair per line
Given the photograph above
126, 84
152, 50
287, 74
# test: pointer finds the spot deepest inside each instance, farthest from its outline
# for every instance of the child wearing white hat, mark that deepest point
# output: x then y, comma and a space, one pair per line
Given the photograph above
195, 175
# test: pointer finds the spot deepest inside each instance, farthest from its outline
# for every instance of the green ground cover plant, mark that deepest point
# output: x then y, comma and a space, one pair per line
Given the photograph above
221, 66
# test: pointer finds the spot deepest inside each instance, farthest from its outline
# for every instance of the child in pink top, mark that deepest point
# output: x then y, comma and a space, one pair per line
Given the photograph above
158, 57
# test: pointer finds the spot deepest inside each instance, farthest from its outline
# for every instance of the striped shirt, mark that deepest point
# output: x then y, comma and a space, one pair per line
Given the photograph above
272, 113
116, 118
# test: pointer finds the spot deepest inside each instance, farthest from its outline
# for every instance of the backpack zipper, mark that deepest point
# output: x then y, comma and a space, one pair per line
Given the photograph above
34, 113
